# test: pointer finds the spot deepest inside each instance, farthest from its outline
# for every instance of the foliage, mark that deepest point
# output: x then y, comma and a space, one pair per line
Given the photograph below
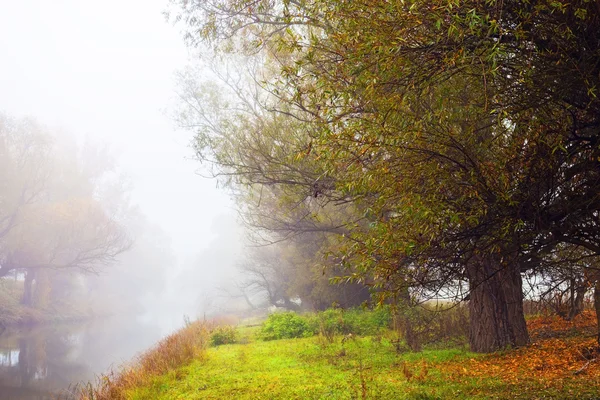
563, 353
357, 321
14, 313
453, 145
553, 326
9, 305
329, 323
285, 325
223, 335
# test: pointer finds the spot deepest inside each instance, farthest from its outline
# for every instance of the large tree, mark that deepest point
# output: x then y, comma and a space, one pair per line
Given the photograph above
466, 132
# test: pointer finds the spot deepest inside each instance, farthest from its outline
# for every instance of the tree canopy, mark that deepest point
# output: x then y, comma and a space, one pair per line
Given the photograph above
463, 135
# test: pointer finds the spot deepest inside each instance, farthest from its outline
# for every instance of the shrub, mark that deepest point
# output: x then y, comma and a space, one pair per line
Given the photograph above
9, 309
285, 325
431, 323
226, 334
327, 323
357, 321
367, 322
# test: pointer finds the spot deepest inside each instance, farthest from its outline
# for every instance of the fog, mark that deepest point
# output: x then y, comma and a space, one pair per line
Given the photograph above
102, 75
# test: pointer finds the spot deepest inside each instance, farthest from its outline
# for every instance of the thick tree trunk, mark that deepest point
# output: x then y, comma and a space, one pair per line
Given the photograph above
496, 313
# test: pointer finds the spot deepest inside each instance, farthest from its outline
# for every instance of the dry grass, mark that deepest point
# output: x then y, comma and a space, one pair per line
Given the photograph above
174, 351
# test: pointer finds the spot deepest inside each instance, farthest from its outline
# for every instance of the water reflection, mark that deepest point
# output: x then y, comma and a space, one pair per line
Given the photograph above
37, 363
9, 358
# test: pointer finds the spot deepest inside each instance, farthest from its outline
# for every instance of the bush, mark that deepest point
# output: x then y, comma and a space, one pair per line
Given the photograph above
328, 323
223, 335
367, 322
285, 325
433, 324
357, 321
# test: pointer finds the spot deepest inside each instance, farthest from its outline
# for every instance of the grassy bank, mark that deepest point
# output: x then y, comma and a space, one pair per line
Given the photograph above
173, 352
307, 368
560, 363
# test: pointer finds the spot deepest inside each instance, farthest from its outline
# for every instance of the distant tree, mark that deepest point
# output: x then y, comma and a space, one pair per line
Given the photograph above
25, 154
267, 274
281, 196
52, 216
294, 274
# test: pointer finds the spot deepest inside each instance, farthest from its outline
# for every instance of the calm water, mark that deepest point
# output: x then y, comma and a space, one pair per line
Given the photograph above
36, 363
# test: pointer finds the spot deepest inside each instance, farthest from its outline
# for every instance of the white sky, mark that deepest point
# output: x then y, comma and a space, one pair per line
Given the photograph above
105, 69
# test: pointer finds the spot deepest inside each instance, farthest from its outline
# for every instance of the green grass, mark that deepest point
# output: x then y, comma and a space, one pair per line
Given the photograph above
350, 366
309, 368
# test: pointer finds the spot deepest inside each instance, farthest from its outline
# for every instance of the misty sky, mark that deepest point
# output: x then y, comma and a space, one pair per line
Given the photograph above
105, 69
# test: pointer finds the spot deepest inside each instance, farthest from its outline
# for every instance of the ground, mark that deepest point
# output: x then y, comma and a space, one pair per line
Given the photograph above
561, 362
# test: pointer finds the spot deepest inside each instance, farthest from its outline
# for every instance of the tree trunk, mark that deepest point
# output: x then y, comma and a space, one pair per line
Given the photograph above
597, 306
41, 293
577, 304
496, 313
28, 288
290, 305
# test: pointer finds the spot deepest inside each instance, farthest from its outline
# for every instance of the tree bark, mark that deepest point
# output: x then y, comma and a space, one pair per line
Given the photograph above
496, 313
597, 306
290, 305
28, 288
577, 304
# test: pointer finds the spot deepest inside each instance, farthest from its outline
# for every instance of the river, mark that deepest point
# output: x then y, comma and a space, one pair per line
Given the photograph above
37, 363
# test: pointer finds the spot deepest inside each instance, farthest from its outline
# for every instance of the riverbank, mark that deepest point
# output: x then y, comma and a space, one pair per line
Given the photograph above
14, 314
560, 363
169, 354
23, 316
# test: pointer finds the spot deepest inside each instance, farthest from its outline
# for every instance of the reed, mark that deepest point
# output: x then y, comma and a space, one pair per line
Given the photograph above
172, 352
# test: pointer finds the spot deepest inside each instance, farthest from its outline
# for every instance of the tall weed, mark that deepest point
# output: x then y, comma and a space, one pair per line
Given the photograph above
174, 351
432, 324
